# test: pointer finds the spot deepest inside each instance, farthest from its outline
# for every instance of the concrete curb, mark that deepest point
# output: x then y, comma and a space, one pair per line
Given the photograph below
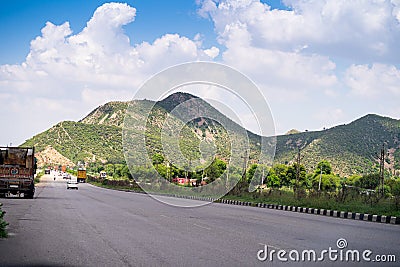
323, 212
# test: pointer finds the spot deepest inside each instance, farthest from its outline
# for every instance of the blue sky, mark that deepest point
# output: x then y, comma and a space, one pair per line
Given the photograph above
22, 21
319, 63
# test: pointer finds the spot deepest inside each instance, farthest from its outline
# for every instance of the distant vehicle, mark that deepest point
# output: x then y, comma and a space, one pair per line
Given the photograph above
72, 185
67, 176
81, 177
103, 174
17, 170
47, 171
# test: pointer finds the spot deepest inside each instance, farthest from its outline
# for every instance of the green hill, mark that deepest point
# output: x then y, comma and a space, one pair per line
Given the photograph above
351, 148
78, 141
97, 137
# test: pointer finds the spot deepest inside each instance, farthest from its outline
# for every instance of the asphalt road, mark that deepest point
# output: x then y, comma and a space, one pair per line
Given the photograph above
99, 227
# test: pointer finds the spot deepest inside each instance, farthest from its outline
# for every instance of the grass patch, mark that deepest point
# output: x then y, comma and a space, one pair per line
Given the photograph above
359, 204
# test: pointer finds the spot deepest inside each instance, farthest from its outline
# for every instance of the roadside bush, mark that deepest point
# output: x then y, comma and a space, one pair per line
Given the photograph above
38, 176
396, 193
115, 182
369, 181
3, 224
329, 182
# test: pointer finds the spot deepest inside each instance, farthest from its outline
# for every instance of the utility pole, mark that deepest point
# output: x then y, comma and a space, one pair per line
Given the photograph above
168, 172
263, 176
382, 169
297, 171
320, 179
227, 177
244, 167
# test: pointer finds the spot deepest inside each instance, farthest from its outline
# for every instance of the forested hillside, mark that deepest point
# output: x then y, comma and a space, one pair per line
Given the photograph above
351, 148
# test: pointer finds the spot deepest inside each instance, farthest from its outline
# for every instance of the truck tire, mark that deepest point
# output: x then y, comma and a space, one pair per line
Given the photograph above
30, 193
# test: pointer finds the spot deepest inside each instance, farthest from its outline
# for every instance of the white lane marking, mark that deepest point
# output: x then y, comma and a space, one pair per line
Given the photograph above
270, 246
204, 227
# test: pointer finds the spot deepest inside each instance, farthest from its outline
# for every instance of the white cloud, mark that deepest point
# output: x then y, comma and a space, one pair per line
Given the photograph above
95, 97
282, 70
213, 52
169, 50
319, 52
307, 59
100, 55
371, 81
358, 29
262, 43
396, 9
77, 72
330, 116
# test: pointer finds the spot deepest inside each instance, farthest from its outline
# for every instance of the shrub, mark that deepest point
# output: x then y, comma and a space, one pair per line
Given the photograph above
3, 224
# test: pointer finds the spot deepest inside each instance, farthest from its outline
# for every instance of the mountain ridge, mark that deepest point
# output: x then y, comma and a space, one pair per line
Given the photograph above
351, 147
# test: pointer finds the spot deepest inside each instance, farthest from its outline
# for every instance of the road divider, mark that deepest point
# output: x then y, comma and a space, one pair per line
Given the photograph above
322, 212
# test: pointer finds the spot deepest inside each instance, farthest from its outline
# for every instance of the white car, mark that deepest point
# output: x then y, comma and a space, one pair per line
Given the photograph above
72, 185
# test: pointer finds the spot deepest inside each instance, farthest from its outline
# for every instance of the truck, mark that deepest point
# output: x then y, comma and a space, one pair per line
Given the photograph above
17, 170
81, 176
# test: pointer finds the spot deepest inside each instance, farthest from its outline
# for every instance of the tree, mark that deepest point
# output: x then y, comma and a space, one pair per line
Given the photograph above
162, 170
125, 172
109, 168
157, 159
353, 179
281, 172
273, 179
259, 171
396, 192
215, 169
291, 174
325, 166
118, 170
369, 181
251, 171
329, 182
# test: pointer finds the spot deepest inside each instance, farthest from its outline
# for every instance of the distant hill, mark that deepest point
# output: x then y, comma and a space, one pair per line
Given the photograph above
79, 141
292, 131
111, 114
350, 148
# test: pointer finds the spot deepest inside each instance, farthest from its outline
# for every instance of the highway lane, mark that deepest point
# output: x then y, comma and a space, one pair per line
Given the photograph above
100, 227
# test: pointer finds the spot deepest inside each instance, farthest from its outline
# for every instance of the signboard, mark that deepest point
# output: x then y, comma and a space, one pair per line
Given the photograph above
15, 172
